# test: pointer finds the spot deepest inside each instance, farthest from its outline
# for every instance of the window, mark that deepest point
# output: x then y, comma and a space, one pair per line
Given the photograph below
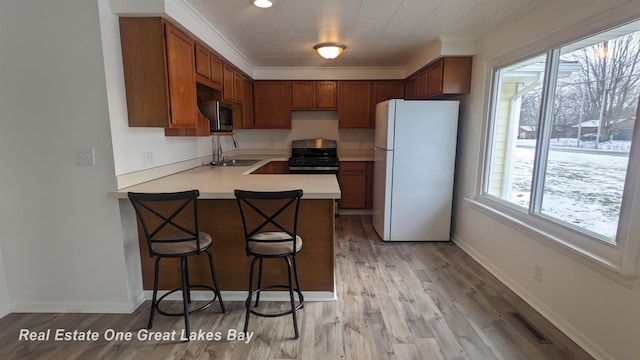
561, 133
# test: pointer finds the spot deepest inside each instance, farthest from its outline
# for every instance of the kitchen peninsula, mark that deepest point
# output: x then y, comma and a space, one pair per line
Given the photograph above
219, 216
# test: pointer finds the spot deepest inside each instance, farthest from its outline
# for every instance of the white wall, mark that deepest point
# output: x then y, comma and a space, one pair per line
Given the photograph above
600, 314
60, 235
4, 291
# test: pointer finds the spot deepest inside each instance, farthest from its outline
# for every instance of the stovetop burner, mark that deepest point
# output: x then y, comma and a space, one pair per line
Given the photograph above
314, 156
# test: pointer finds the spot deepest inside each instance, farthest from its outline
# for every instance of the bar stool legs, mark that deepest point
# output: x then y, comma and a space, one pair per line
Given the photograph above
292, 275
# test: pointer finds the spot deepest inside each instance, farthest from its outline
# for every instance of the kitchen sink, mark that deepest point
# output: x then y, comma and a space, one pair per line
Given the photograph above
240, 162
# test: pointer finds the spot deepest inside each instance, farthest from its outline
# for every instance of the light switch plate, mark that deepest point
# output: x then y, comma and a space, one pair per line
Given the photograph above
85, 156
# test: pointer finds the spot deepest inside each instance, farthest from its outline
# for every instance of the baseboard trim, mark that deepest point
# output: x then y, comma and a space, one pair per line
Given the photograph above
4, 310
201, 295
558, 321
82, 308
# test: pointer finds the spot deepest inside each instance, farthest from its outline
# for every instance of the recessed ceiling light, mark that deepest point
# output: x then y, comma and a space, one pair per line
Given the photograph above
263, 4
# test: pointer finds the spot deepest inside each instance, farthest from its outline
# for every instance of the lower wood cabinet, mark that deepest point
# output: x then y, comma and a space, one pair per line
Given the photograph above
273, 167
356, 183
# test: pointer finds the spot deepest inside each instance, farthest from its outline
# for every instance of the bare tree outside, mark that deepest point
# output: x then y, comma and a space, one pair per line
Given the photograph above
604, 90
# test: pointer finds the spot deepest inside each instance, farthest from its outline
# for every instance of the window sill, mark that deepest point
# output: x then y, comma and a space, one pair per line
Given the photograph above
593, 261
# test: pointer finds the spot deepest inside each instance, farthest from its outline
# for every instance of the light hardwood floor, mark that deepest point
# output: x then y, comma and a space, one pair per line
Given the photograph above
395, 301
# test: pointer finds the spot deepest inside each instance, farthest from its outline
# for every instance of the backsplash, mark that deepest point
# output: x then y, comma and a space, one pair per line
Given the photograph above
304, 125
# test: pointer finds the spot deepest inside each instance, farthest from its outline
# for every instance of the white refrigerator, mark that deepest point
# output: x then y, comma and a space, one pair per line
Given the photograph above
415, 150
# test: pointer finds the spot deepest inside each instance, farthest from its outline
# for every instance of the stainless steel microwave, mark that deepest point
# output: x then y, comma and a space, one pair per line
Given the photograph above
220, 116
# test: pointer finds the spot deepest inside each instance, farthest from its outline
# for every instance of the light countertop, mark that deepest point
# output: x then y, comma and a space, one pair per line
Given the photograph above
219, 182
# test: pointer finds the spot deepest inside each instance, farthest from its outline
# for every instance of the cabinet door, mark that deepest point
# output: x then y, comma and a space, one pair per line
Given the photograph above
247, 106
203, 62
386, 90
422, 84
326, 95
353, 185
303, 94
435, 77
272, 104
216, 69
238, 87
227, 83
273, 167
410, 88
354, 105
450, 76
182, 81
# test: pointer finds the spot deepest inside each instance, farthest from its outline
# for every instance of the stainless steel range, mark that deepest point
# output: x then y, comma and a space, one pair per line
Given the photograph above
314, 156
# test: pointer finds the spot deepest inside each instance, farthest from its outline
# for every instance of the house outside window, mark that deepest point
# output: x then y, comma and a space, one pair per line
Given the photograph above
561, 133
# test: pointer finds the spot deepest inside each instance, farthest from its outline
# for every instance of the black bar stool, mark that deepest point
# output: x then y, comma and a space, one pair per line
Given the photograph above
270, 221
170, 225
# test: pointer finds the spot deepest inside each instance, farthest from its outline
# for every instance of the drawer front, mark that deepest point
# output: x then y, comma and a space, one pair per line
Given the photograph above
353, 166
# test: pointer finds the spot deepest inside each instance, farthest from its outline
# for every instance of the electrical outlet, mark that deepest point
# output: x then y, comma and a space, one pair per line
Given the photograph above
537, 272
85, 156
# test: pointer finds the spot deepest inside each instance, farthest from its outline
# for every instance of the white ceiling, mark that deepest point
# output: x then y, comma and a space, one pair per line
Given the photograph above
377, 33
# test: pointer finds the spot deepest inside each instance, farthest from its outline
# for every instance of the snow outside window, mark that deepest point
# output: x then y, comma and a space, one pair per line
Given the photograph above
561, 131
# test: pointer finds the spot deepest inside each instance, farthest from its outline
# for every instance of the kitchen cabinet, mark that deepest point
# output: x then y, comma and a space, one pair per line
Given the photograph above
246, 116
443, 78
354, 104
159, 73
272, 104
422, 84
232, 84
228, 82
208, 68
411, 88
313, 95
273, 167
449, 76
238, 87
356, 183
387, 89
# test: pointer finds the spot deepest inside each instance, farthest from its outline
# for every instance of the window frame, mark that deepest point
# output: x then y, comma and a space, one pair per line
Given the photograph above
618, 260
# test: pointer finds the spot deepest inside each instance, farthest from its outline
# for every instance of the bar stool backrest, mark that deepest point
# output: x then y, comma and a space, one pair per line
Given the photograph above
270, 211
168, 218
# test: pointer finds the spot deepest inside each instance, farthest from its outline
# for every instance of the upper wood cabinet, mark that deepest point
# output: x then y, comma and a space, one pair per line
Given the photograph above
208, 68
445, 77
233, 84
272, 104
386, 90
228, 83
354, 104
159, 74
238, 87
450, 75
411, 87
314, 95
247, 118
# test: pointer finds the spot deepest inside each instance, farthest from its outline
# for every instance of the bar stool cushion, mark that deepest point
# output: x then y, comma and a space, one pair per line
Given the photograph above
177, 248
261, 247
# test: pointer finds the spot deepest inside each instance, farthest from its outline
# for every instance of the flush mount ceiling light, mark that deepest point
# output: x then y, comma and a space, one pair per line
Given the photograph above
263, 3
330, 50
